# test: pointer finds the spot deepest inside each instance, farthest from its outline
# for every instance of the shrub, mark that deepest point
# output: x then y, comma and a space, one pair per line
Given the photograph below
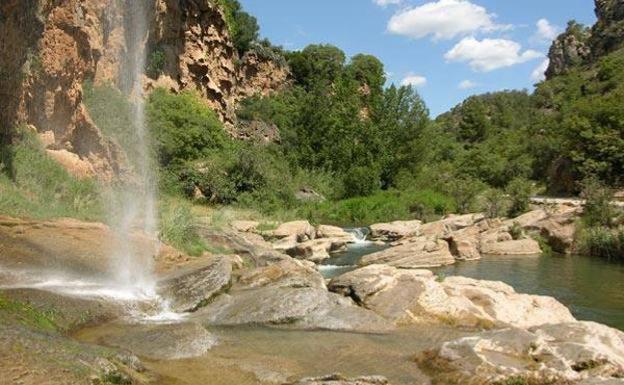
184, 128
519, 191
464, 192
179, 227
155, 63
360, 181
598, 210
602, 242
495, 203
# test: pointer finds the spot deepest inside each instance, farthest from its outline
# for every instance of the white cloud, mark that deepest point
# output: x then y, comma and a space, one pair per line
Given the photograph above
489, 54
546, 32
467, 84
385, 3
414, 81
538, 73
443, 19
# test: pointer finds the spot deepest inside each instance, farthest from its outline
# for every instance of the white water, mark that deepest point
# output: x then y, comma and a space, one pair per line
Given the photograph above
360, 234
136, 199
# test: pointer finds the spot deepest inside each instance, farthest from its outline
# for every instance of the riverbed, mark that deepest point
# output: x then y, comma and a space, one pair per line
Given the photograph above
592, 288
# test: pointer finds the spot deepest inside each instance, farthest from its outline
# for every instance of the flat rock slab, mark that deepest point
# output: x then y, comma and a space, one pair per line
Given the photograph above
195, 285
421, 253
513, 247
417, 296
555, 353
394, 231
303, 308
163, 342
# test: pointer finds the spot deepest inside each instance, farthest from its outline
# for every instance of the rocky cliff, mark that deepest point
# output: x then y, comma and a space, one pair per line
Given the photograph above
579, 45
51, 48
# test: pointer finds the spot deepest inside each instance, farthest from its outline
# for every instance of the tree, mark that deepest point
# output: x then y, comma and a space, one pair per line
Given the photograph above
317, 63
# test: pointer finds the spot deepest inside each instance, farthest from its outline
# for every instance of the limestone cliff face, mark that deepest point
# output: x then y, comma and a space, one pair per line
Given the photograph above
50, 48
200, 56
579, 45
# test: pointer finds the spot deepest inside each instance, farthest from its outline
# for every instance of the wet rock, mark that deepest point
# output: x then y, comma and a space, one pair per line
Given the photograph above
337, 379
305, 308
164, 342
512, 247
394, 231
196, 284
575, 351
416, 296
418, 253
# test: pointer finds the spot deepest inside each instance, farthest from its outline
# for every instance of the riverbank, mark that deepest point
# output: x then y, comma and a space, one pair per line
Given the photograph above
259, 315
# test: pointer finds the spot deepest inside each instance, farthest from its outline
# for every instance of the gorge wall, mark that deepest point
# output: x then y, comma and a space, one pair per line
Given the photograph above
580, 45
51, 48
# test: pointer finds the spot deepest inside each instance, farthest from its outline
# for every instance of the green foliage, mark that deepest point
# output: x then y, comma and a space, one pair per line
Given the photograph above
380, 207
155, 63
464, 192
602, 242
519, 191
495, 203
242, 26
598, 210
35, 186
179, 227
183, 127
316, 64
27, 315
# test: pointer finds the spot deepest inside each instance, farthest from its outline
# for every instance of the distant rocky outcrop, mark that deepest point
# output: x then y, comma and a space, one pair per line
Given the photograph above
50, 49
580, 45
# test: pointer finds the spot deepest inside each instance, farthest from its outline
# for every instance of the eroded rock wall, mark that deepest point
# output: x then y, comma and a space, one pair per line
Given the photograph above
51, 48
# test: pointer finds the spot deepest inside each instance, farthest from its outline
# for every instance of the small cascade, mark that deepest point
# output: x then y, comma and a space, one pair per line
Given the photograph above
360, 234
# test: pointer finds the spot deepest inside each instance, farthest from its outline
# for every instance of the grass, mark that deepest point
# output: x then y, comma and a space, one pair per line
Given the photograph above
33, 185
602, 242
179, 226
383, 206
27, 315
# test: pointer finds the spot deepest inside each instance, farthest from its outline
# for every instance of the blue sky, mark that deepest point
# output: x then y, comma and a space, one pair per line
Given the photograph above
449, 49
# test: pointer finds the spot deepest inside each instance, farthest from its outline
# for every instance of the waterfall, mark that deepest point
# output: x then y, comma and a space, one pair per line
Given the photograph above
136, 198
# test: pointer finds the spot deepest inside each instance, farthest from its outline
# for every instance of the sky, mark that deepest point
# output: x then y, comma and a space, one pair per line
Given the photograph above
447, 49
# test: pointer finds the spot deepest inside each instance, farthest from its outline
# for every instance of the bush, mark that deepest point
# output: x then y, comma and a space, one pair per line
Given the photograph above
184, 128
179, 227
464, 192
242, 26
602, 242
155, 63
598, 210
496, 204
519, 191
360, 181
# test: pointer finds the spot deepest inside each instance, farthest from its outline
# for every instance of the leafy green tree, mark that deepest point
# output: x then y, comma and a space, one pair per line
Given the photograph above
317, 63
244, 29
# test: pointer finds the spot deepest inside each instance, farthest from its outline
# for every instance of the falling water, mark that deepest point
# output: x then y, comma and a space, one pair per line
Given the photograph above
136, 199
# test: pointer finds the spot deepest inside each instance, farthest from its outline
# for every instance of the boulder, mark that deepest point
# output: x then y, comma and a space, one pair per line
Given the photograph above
287, 272
465, 249
164, 341
316, 250
337, 379
303, 308
458, 222
245, 226
394, 231
324, 231
553, 354
300, 230
420, 253
193, 286
416, 296
559, 231
512, 247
